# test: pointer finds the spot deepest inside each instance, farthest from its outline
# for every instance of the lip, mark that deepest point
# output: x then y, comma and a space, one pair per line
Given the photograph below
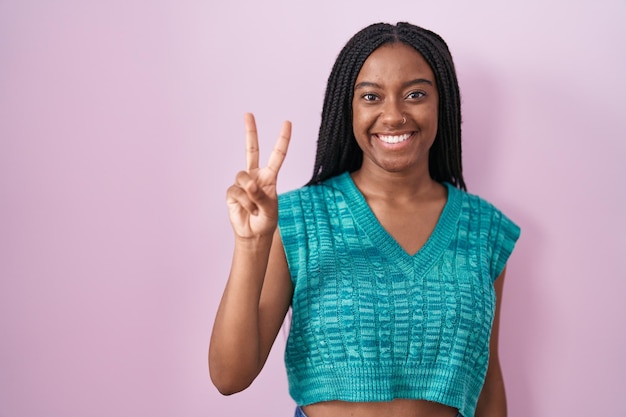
394, 138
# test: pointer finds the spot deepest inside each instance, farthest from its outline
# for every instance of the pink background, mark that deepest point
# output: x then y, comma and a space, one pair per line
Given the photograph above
121, 127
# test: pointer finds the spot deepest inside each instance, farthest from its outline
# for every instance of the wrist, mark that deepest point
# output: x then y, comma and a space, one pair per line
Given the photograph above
254, 242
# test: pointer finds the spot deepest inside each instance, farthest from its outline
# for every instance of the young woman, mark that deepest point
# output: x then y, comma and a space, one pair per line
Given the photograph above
393, 271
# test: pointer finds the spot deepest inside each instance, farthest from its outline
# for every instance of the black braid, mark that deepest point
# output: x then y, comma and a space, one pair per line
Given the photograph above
337, 150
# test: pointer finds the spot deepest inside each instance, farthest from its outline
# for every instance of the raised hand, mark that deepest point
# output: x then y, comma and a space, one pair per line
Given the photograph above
252, 199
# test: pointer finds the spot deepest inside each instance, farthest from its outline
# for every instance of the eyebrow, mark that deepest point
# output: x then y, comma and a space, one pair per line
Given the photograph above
365, 84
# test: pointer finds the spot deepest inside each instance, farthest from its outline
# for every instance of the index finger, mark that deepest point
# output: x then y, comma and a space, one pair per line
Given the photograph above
252, 142
280, 148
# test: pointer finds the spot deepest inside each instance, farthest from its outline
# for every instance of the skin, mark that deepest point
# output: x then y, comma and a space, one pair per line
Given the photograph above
259, 290
395, 95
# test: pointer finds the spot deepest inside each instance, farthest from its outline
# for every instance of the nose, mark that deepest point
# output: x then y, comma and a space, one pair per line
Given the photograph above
393, 114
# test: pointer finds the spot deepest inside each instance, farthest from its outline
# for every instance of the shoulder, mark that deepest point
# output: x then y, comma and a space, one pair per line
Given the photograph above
470, 199
474, 204
495, 229
306, 206
494, 234
334, 184
484, 215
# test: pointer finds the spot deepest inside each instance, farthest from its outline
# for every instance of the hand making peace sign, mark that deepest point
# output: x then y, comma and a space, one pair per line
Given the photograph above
252, 200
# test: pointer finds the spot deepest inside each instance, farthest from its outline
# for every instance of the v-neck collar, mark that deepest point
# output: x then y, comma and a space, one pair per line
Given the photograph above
434, 246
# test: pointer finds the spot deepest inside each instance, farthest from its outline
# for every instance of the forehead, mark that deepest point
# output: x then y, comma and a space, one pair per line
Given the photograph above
394, 61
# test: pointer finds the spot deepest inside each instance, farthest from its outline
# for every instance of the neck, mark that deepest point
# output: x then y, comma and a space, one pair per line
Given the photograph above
396, 186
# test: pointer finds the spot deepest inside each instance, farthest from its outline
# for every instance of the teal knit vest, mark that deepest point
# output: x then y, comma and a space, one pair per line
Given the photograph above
371, 322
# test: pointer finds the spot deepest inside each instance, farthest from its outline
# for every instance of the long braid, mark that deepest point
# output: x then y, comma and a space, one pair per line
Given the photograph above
337, 150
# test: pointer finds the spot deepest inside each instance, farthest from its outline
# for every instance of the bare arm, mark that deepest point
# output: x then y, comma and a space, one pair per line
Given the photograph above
492, 400
258, 291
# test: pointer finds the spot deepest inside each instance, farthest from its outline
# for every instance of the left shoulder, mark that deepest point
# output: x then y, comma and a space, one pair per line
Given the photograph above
472, 201
498, 232
477, 209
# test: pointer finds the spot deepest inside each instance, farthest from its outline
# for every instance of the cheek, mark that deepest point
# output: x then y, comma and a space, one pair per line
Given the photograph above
430, 117
360, 120
435, 110
364, 113
435, 118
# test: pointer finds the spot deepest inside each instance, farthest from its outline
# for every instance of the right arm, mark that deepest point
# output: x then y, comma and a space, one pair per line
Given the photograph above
258, 292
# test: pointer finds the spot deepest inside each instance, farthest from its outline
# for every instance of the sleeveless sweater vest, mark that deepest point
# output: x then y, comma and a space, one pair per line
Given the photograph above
371, 322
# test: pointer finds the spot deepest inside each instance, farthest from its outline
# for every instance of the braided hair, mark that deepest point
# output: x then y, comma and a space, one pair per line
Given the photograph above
337, 149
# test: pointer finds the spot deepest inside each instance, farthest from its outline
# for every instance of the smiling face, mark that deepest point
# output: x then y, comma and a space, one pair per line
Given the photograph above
395, 110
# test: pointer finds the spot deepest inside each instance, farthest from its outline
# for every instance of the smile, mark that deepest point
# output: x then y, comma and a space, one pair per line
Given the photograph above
394, 139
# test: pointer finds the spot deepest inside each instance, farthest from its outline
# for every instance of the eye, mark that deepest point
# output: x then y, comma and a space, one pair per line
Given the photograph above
369, 97
416, 95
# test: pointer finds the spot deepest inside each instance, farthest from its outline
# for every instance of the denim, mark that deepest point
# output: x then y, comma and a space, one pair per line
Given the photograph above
300, 413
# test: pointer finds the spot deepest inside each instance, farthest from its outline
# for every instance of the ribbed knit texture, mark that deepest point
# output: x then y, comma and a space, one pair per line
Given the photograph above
371, 322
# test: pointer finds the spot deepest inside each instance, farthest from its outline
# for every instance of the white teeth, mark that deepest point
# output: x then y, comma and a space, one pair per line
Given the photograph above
394, 139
